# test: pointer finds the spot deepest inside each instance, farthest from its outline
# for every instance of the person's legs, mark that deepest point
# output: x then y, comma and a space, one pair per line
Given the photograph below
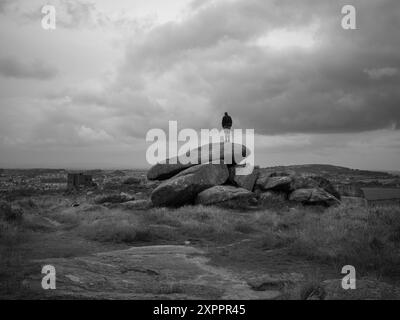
227, 133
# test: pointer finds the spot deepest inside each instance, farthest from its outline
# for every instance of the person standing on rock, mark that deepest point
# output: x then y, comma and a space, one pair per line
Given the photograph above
227, 125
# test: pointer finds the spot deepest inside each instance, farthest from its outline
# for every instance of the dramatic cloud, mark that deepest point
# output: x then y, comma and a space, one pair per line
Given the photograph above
312, 91
279, 67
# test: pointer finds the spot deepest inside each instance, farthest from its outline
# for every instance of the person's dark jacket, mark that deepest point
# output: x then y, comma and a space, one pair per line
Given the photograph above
226, 122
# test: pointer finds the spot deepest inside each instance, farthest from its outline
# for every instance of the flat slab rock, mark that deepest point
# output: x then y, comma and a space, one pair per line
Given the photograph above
214, 152
151, 272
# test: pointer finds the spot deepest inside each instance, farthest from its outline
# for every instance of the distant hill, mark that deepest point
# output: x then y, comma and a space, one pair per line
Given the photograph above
331, 170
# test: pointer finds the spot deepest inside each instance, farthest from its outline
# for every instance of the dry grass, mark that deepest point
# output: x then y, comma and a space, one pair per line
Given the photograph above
368, 238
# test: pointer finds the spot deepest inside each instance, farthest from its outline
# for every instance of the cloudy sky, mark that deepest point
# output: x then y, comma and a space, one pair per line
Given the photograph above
85, 95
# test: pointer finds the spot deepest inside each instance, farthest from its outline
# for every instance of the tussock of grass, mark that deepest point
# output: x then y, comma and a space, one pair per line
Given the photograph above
10, 234
367, 238
209, 222
106, 225
115, 231
275, 240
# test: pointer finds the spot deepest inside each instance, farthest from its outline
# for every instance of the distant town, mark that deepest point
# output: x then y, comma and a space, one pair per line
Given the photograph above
57, 179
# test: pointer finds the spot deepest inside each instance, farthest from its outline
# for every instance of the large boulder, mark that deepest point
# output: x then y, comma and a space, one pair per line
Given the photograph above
275, 183
313, 181
243, 181
218, 153
288, 181
185, 186
313, 196
225, 196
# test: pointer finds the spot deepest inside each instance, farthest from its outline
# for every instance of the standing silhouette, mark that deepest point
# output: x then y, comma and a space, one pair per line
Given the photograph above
227, 125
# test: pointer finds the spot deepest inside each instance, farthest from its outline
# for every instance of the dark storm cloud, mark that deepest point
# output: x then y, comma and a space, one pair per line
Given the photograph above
346, 82
12, 67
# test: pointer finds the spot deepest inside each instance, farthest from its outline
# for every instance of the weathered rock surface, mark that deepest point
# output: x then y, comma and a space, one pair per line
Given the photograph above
304, 188
272, 199
282, 183
266, 173
308, 189
163, 171
225, 196
222, 153
243, 181
313, 181
313, 196
152, 272
366, 289
275, 282
185, 186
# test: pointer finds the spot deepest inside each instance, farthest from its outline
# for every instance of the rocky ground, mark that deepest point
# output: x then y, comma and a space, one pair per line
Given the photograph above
112, 252
200, 232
